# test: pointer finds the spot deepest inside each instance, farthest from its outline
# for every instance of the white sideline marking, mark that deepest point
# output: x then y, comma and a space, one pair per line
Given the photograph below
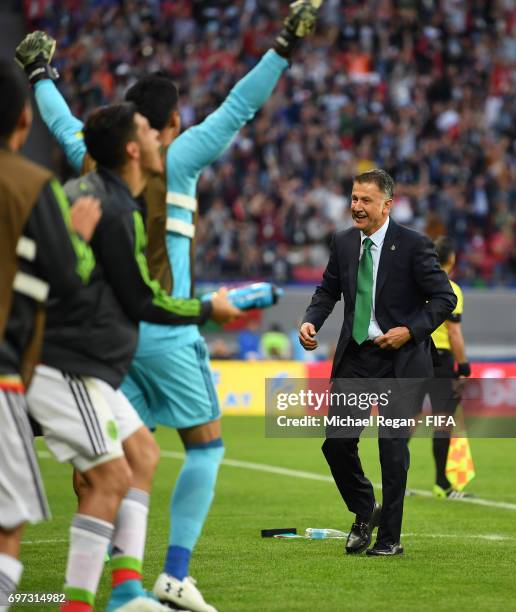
276, 469
491, 537
44, 541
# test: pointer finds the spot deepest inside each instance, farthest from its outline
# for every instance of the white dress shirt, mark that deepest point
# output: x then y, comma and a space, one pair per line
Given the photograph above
376, 250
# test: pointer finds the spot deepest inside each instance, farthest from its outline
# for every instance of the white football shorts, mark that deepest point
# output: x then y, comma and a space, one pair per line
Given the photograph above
84, 420
22, 497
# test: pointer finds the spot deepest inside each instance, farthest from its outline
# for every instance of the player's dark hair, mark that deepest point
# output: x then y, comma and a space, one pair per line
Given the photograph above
15, 93
155, 97
380, 178
107, 131
445, 249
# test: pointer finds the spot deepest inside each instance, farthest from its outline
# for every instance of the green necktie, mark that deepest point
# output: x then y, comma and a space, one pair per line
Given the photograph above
364, 297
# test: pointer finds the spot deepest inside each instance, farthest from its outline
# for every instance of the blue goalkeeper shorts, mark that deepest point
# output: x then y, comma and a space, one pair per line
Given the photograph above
173, 388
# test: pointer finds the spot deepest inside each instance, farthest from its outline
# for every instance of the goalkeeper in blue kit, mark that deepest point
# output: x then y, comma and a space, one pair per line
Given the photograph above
169, 382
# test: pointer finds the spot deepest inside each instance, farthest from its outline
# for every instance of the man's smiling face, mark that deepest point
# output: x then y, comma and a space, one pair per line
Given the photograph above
370, 207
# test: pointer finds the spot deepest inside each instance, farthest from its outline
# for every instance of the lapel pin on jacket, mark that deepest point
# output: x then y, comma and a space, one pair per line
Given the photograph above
393, 247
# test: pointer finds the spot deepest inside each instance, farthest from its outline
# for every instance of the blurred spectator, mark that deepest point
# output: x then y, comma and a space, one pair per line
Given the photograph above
249, 341
219, 349
424, 89
275, 344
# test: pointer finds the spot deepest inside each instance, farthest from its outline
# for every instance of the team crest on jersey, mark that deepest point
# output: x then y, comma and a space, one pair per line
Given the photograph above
112, 429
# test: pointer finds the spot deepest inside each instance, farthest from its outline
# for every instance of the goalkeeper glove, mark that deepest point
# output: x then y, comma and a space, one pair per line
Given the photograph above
300, 22
34, 55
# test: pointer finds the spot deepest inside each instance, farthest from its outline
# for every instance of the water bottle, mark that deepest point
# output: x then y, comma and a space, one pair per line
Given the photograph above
256, 295
324, 534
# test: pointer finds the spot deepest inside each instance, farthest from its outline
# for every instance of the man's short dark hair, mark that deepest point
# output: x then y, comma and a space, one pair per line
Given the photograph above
107, 131
380, 178
155, 97
14, 96
445, 249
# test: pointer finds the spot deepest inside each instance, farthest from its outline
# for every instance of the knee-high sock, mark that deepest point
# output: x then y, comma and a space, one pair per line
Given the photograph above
89, 538
128, 544
440, 447
190, 503
10, 574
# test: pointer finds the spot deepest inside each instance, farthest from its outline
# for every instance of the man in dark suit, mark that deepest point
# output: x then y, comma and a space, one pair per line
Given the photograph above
395, 296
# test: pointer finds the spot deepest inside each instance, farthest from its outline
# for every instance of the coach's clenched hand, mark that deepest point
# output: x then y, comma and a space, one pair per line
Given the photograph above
307, 336
394, 339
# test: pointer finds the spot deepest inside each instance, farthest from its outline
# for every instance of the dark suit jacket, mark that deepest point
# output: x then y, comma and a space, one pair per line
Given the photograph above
411, 290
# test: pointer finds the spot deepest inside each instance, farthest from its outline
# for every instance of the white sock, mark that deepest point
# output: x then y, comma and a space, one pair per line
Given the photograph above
10, 574
89, 539
128, 544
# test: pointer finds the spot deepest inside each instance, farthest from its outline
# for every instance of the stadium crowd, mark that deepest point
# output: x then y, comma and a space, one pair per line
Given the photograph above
423, 89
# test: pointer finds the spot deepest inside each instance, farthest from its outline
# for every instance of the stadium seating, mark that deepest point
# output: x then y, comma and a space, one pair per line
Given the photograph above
423, 90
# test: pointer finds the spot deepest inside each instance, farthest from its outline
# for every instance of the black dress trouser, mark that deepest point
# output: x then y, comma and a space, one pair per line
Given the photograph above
341, 453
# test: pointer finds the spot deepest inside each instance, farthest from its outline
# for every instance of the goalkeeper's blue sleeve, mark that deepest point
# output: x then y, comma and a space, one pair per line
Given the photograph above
65, 128
202, 144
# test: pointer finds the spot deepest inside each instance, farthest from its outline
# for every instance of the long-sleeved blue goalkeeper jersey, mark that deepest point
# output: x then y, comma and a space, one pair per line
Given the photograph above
187, 157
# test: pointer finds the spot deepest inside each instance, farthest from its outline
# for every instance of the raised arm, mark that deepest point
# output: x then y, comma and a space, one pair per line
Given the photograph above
34, 55
203, 143
65, 128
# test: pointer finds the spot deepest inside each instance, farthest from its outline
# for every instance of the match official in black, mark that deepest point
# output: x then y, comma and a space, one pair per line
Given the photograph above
395, 296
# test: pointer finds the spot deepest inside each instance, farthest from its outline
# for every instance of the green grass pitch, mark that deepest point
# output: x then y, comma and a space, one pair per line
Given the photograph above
458, 556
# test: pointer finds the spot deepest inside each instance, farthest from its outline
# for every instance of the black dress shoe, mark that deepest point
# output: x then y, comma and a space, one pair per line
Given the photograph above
385, 550
359, 537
